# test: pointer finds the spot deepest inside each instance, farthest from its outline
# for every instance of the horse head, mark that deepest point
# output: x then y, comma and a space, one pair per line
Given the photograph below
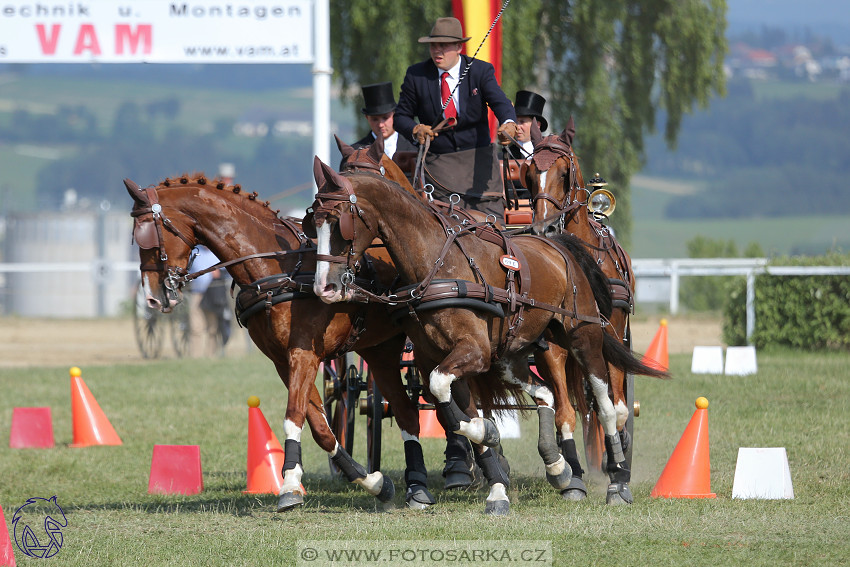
554, 179
372, 158
165, 247
342, 231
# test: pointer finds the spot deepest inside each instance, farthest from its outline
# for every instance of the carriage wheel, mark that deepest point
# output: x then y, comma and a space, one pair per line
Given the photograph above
342, 391
180, 332
631, 403
148, 326
374, 417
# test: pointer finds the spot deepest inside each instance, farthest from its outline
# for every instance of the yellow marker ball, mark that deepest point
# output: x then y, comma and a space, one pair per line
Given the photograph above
76, 372
664, 322
702, 403
253, 402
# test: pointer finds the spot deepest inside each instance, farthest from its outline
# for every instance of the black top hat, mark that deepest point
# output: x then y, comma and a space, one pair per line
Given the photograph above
531, 104
378, 98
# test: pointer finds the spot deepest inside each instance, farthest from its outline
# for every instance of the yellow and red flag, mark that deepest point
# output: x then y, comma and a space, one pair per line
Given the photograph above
476, 17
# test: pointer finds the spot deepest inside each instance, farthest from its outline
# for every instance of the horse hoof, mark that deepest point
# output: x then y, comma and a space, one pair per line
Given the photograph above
491, 434
289, 500
497, 508
576, 490
619, 494
387, 490
418, 497
561, 481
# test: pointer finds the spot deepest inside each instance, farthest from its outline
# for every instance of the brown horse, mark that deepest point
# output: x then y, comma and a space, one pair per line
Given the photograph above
560, 205
266, 255
546, 291
551, 397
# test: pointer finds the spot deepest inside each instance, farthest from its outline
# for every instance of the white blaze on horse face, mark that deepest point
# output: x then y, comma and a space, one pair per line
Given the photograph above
441, 385
323, 246
606, 411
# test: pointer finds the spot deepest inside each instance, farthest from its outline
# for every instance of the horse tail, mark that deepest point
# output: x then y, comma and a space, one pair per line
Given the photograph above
597, 279
616, 354
491, 394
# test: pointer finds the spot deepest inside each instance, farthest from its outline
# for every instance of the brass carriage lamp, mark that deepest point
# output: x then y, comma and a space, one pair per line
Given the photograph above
601, 201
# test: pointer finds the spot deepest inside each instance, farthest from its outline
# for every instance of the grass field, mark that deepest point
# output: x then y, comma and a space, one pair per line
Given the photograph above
797, 400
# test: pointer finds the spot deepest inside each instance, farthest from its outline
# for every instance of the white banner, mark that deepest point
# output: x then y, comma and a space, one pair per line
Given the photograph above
156, 31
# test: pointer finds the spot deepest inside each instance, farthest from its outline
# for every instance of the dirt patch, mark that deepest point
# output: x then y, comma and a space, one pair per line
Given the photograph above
86, 342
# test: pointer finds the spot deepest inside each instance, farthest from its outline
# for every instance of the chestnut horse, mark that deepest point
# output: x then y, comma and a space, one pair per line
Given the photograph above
547, 292
560, 199
551, 397
266, 255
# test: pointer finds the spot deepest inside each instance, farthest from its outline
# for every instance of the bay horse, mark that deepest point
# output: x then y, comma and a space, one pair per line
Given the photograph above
560, 200
273, 263
552, 395
453, 341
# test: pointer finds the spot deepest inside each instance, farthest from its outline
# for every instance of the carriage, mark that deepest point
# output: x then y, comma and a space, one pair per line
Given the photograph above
268, 264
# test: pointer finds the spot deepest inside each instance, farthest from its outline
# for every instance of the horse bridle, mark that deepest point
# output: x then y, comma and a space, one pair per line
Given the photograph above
325, 204
147, 233
546, 153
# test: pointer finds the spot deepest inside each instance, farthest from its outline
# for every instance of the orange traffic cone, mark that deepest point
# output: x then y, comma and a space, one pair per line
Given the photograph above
656, 354
7, 554
265, 455
688, 472
91, 427
429, 425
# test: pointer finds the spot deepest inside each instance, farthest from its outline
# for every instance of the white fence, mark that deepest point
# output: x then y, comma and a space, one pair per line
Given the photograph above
675, 269
647, 272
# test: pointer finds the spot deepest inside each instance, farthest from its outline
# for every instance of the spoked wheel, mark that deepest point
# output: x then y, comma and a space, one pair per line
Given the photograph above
148, 326
376, 409
180, 332
342, 390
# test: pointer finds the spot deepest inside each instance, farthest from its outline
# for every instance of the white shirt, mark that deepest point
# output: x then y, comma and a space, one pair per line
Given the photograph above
390, 144
528, 147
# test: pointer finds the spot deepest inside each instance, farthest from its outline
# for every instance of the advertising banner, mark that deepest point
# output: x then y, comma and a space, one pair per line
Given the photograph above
156, 31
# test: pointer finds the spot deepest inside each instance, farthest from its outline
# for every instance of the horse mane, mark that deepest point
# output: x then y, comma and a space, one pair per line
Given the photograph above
201, 180
598, 280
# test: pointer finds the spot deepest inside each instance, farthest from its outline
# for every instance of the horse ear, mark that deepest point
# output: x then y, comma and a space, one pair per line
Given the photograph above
136, 193
319, 174
569, 132
536, 134
344, 148
376, 149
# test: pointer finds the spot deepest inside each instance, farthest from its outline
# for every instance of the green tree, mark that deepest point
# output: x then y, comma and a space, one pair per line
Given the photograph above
612, 64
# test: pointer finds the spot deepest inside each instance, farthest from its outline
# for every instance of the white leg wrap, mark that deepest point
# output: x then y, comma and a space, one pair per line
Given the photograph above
557, 467
474, 430
372, 483
498, 492
292, 480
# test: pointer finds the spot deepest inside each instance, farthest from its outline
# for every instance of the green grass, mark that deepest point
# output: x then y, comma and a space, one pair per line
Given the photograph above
656, 237
797, 400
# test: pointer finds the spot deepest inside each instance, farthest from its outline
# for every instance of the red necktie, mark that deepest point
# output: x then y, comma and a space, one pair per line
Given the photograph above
450, 111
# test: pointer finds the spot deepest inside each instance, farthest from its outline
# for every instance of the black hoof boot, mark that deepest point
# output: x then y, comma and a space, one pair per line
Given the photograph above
576, 491
618, 494
418, 497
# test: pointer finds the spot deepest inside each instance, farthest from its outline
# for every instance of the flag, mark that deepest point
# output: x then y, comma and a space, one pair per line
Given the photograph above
476, 17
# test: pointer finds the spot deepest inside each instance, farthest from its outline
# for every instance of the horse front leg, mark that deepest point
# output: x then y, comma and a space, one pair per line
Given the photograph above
305, 400
596, 373
383, 364
467, 359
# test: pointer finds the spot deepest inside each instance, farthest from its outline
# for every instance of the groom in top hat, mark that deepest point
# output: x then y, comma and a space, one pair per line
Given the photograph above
529, 107
379, 109
461, 159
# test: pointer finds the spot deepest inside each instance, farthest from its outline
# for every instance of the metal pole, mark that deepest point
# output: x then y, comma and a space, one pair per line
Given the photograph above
322, 72
674, 289
751, 305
